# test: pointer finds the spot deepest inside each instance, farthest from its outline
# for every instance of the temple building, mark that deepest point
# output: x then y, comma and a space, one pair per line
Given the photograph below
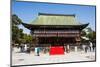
56, 31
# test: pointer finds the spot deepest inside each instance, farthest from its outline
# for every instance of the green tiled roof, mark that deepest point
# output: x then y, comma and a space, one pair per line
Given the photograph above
55, 19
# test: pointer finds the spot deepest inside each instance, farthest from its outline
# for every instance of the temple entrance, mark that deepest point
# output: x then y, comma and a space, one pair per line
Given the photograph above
57, 45
56, 41
56, 50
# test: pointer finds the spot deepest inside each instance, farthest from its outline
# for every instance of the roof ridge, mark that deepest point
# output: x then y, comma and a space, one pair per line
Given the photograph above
56, 14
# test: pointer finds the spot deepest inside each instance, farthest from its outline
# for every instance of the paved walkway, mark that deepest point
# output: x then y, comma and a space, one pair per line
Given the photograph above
25, 58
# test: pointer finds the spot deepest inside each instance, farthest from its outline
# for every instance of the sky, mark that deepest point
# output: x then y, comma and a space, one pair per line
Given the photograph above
28, 11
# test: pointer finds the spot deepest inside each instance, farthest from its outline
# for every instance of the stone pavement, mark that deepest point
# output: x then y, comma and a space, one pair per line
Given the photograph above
26, 59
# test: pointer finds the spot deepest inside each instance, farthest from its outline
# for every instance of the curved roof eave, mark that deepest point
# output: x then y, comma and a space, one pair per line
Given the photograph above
31, 27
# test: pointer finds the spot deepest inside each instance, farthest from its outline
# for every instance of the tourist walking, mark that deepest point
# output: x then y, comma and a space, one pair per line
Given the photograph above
22, 47
86, 49
37, 51
91, 46
25, 48
83, 47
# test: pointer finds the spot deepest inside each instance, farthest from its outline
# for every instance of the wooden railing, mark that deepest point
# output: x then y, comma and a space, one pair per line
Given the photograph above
55, 35
57, 31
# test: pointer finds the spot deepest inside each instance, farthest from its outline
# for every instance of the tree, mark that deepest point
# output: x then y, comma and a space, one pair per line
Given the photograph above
18, 36
89, 33
17, 33
27, 38
83, 33
16, 20
92, 35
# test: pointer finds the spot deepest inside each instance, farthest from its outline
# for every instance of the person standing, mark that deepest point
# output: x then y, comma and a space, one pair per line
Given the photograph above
21, 48
83, 47
86, 48
91, 46
38, 51
25, 47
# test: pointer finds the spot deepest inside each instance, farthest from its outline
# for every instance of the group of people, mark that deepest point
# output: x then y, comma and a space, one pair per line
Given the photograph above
23, 47
86, 48
89, 48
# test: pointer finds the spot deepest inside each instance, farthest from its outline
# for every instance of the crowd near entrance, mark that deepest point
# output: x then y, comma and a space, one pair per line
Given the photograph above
56, 50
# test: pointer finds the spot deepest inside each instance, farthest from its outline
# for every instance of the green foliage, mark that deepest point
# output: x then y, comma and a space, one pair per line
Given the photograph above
18, 36
16, 20
91, 34
89, 29
83, 33
16, 32
27, 38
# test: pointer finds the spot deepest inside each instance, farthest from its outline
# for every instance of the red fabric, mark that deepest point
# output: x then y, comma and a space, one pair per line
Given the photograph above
56, 50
